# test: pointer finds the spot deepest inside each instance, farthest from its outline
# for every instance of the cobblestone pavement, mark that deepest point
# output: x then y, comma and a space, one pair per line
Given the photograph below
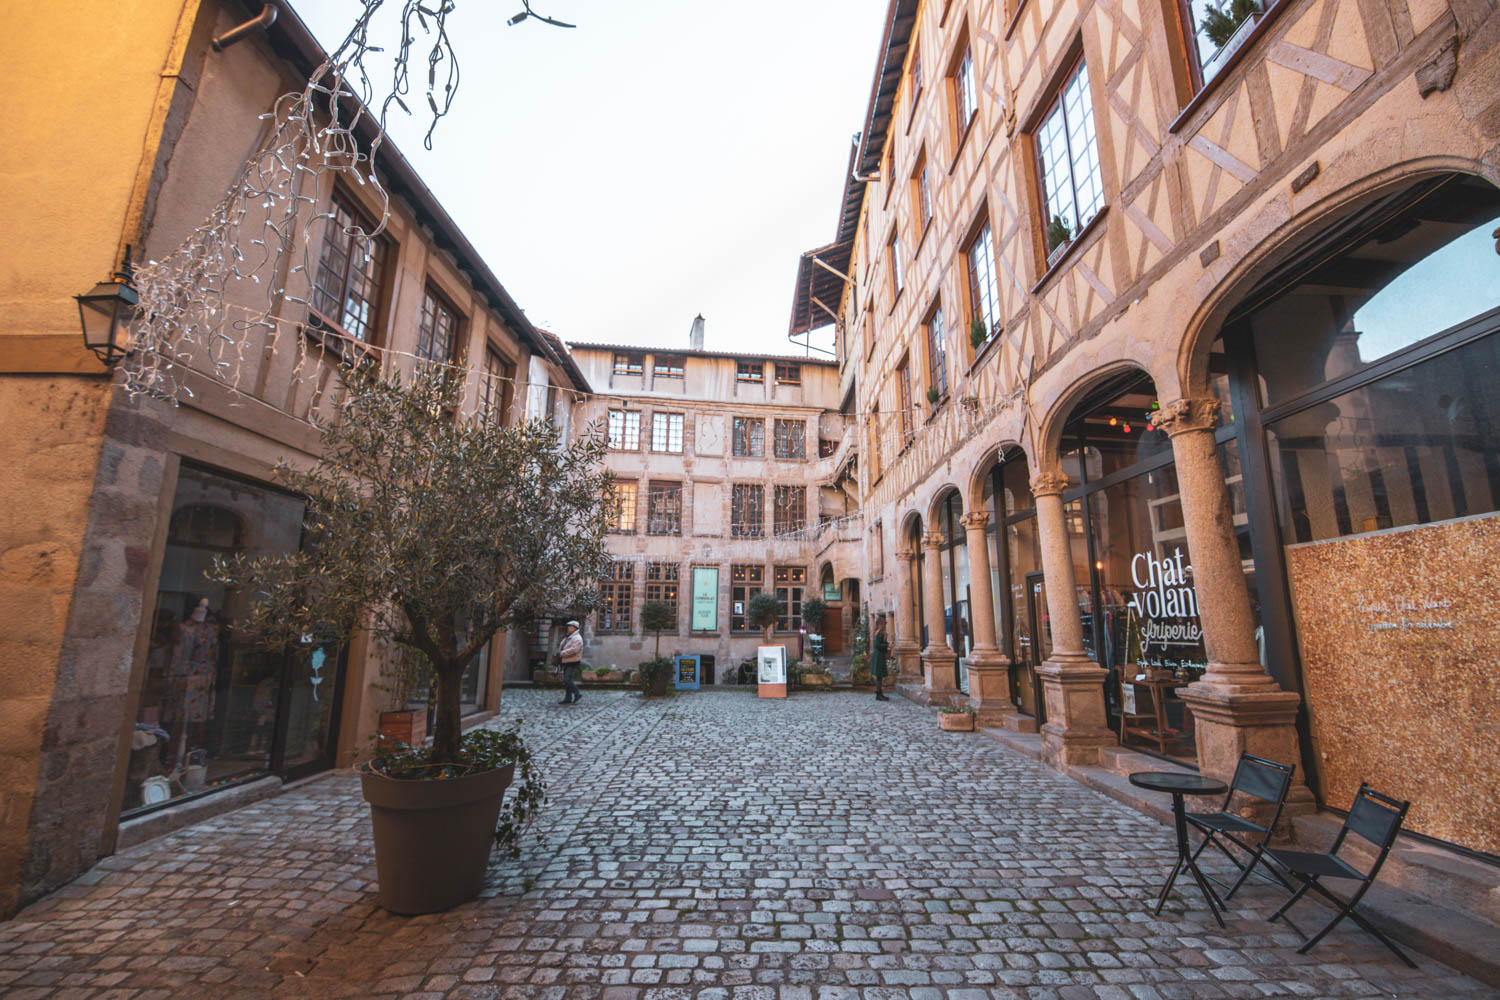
711, 845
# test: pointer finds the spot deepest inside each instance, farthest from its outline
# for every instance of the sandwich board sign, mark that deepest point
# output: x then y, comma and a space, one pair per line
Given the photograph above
689, 676
770, 671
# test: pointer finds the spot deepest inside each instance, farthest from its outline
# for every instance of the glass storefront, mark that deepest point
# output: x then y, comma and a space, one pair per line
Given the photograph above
215, 708
955, 574
1367, 374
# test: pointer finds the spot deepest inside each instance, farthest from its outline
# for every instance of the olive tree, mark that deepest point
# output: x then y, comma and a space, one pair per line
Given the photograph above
764, 611
433, 531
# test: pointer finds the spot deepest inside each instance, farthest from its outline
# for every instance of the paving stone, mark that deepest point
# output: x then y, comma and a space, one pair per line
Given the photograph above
710, 846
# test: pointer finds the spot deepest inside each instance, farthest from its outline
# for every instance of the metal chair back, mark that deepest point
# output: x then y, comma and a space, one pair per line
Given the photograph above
1375, 818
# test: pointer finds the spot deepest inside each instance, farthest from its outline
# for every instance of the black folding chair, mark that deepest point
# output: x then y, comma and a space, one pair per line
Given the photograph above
1255, 778
1375, 817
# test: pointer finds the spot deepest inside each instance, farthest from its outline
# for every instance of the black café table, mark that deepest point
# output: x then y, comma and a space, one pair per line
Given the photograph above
1178, 785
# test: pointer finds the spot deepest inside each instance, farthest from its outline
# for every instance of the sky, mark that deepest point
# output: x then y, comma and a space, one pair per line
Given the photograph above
663, 159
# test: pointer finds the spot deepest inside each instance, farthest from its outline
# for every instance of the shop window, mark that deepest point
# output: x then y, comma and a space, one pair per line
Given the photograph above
215, 708
496, 386
791, 509
1113, 429
1068, 158
351, 269
749, 438
937, 353
437, 334
616, 592
661, 585
630, 364
664, 509
624, 509
1428, 265
624, 430
666, 433
791, 438
752, 372
788, 374
984, 292
747, 510
668, 366
904, 401
791, 581
744, 583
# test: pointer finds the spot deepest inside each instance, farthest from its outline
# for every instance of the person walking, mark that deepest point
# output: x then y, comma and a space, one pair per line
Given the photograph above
880, 651
570, 655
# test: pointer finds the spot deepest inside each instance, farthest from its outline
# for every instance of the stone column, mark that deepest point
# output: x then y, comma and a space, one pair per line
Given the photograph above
989, 669
906, 649
937, 656
1236, 704
1072, 684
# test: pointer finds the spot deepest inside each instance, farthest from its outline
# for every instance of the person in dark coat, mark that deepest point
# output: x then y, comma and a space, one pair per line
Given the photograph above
880, 651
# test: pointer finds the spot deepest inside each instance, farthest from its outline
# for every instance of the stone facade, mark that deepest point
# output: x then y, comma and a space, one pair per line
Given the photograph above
1197, 192
138, 156
699, 395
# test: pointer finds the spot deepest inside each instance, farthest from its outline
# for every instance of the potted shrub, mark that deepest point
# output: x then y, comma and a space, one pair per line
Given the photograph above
1059, 234
655, 675
656, 618
435, 533
977, 333
933, 395
763, 612
1227, 28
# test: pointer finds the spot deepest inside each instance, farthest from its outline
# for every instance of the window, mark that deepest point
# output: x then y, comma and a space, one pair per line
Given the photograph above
913, 82
666, 432
877, 552
667, 366
1214, 31
789, 374
747, 510
904, 401
661, 585
437, 336
893, 250
350, 269
630, 364
790, 581
937, 354
498, 386
1068, 156
984, 293
791, 509
749, 438
921, 194
624, 430
965, 94
875, 462
616, 592
750, 371
744, 583
869, 329
664, 509
624, 513
791, 439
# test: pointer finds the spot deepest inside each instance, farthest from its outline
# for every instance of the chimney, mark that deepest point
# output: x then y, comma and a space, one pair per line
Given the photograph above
695, 338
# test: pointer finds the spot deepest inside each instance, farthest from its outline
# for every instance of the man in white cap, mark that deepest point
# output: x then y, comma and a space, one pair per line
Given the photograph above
570, 655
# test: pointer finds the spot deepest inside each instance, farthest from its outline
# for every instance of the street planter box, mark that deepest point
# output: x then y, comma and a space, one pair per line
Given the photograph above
956, 722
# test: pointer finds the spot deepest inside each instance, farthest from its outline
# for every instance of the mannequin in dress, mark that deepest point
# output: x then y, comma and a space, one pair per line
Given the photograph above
195, 658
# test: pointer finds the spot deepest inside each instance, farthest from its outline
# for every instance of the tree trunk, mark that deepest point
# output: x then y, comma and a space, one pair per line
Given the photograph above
658, 645
448, 726
767, 634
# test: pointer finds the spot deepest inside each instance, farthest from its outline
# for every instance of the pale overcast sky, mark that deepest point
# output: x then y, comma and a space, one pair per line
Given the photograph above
662, 159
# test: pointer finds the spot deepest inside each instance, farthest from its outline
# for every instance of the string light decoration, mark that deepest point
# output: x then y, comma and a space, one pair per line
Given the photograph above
254, 245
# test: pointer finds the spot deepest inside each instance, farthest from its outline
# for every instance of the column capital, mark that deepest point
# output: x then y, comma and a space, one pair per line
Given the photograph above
933, 540
906, 554
975, 519
1196, 413
1049, 484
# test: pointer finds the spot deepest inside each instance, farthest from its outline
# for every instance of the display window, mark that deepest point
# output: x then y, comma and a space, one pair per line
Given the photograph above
1369, 365
217, 708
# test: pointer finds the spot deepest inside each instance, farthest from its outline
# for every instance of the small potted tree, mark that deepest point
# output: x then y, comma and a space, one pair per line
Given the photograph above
656, 618
1059, 235
435, 533
763, 612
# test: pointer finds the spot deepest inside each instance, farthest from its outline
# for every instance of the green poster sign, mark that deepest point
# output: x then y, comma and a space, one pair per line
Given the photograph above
705, 599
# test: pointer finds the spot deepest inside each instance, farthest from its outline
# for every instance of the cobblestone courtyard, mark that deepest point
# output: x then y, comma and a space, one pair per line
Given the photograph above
711, 845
